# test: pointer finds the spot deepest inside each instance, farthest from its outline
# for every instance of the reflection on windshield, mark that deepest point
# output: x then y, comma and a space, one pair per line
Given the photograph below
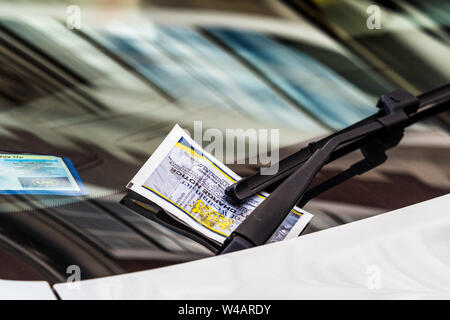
192, 70
127, 88
410, 46
309, 83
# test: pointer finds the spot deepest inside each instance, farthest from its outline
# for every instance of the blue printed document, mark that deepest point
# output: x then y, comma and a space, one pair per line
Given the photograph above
39, 174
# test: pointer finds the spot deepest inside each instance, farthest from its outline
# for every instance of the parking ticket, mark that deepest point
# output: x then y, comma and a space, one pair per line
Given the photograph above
189, 184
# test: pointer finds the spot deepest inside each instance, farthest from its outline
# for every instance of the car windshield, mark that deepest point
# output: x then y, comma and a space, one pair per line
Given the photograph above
102, 83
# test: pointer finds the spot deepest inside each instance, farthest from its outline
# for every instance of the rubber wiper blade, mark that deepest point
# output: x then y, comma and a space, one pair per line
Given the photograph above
247, 187
373, 135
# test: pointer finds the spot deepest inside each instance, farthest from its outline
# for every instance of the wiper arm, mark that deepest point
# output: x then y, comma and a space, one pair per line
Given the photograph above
250, 186
374, 135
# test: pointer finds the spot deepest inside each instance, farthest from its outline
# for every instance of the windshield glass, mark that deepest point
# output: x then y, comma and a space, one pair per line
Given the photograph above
106, 92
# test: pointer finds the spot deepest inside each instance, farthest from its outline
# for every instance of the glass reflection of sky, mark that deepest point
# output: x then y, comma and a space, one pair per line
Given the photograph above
315, 87
289, 87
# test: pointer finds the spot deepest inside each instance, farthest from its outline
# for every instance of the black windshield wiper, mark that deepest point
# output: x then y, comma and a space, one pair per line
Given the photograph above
373, 135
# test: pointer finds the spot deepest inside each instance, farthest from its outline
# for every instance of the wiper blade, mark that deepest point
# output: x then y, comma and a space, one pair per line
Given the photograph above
250, 186
373, 135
